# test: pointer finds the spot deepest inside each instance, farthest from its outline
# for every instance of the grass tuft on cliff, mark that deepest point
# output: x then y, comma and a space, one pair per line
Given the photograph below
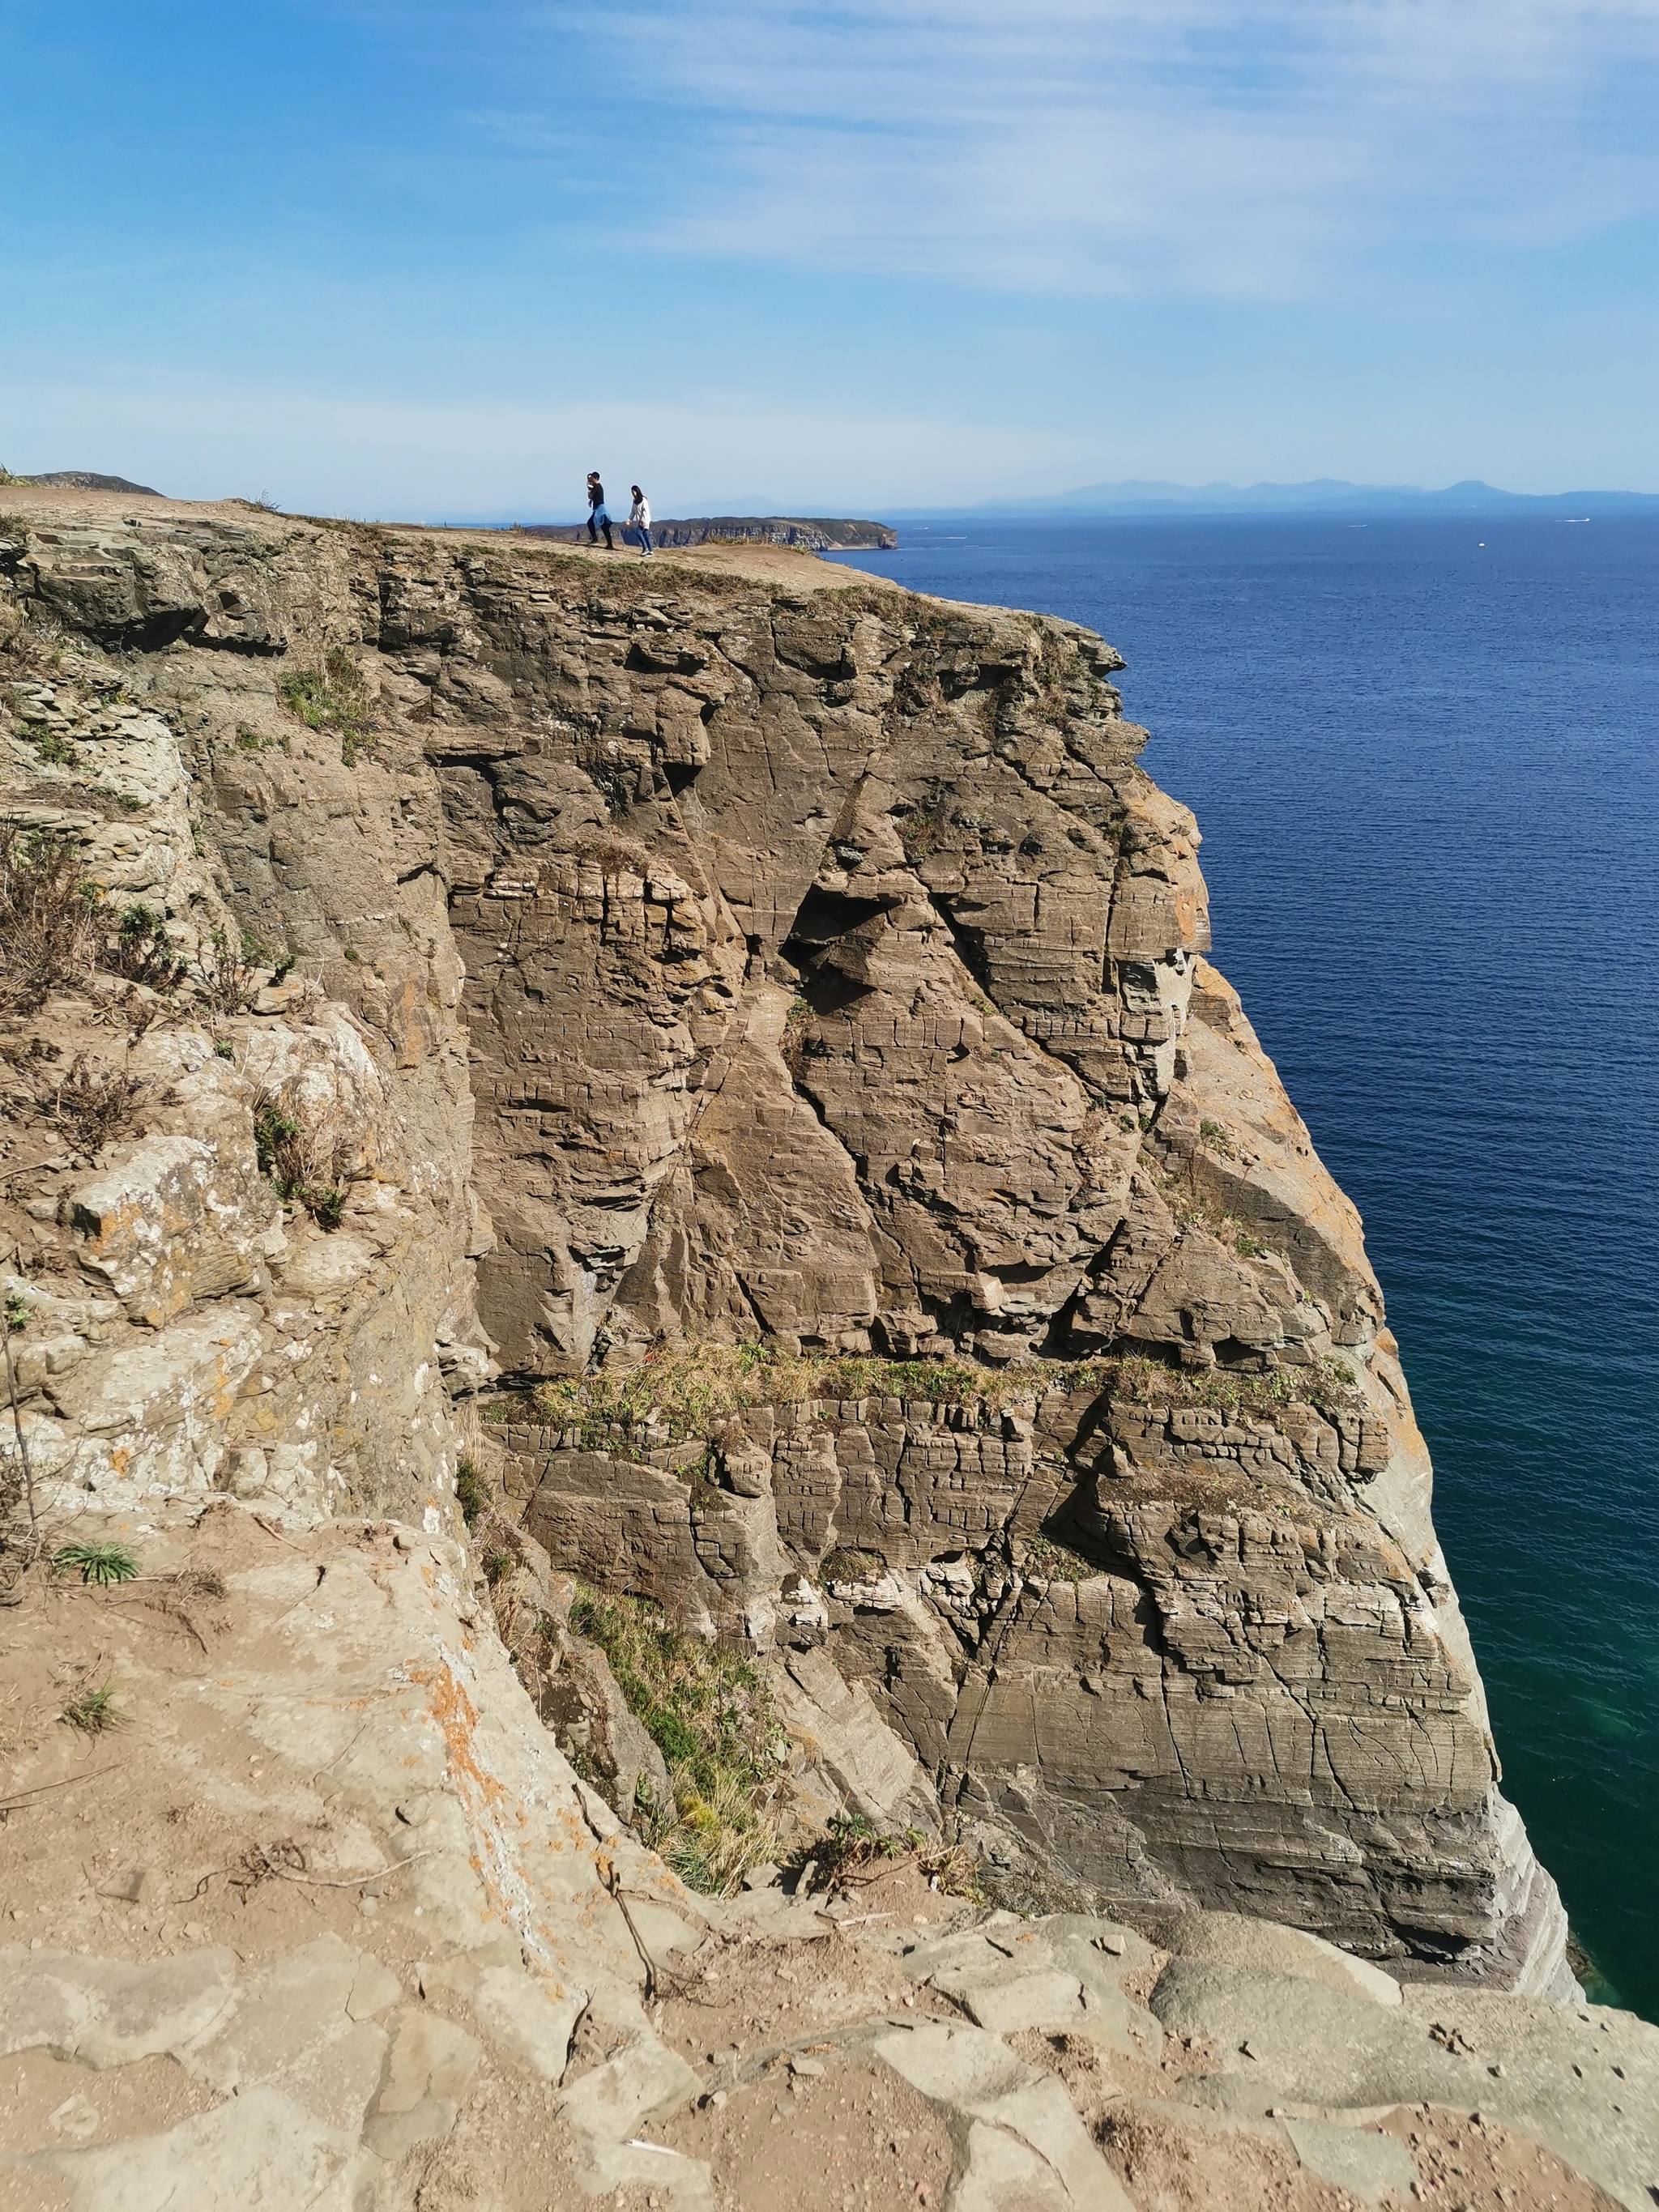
332, 697
710, 1713
682, 1393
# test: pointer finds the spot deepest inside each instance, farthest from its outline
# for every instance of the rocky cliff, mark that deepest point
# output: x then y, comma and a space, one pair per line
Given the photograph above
752, 1025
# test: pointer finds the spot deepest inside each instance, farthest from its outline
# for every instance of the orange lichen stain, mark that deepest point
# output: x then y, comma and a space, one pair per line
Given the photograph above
457, 1716
120, 1458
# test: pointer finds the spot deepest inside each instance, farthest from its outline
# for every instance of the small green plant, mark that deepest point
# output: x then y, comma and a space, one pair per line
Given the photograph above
850, 1845
273, 1131
97, 1563
143, 953
351, 954
18, 1313
305, 1171
1218, 1138
852, 1850
223, 975
326, 1206
925, 829
472, 1492
95, 1712
250, 741
496, 1565
224, 1047
55, 750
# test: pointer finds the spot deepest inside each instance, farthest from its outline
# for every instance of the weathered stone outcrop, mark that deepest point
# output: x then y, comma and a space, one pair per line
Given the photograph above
728, 950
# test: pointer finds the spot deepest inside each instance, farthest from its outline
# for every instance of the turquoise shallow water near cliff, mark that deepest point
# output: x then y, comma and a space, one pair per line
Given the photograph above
1427, 774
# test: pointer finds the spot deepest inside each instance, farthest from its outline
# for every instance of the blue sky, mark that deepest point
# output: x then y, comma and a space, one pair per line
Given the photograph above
365, 256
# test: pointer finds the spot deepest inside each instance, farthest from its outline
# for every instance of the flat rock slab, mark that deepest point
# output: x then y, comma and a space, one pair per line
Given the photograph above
259, 2153
1365, 2164
1583, 2081
105, 2012
976, 2075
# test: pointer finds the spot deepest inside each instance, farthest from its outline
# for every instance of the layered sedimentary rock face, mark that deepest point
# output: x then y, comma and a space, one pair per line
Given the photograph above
831, 981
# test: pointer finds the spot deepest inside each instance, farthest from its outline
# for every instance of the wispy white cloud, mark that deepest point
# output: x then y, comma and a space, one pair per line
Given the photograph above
1136, 146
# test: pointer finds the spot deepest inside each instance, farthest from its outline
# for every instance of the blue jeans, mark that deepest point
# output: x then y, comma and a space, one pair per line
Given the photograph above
644, 529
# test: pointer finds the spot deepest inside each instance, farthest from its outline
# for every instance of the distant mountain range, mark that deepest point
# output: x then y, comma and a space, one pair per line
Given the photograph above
1325, 495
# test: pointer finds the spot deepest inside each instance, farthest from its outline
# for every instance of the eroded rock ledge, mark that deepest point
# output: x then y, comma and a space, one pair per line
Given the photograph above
723, 952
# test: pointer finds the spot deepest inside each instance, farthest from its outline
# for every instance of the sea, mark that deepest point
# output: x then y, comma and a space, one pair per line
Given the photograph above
1425, 758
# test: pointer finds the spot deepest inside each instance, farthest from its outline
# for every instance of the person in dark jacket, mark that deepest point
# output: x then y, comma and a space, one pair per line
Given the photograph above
597, 520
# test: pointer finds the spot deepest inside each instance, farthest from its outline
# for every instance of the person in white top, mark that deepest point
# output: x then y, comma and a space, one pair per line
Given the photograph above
640, 518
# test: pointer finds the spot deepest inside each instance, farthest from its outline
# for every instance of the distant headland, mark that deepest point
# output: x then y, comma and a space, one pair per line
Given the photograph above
814, 533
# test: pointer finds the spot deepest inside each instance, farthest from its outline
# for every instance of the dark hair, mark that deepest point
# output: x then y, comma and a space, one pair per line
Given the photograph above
592, 476
636, 491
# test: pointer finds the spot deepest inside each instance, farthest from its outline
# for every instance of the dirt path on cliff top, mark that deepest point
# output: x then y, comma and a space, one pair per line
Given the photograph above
791, 565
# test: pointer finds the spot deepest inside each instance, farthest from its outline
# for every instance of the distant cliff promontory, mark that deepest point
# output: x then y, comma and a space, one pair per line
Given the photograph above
814, 533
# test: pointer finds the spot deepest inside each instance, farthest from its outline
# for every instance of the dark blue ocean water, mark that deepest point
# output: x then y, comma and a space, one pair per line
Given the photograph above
1427, 773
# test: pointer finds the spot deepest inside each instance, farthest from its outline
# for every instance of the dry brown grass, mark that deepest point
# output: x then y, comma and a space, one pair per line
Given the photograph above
683, 1391
94, 1108
304, 1154
49, 921
224, 977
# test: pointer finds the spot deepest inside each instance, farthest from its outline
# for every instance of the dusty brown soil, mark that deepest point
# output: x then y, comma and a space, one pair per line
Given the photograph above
855, 2135
85, 1819
1468, 2164
1168, 2169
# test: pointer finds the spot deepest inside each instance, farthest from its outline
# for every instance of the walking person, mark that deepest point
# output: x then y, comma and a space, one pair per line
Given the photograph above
640, 518
597, 520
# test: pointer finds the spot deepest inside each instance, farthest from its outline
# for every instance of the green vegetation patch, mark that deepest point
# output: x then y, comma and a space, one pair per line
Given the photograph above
332, 697
1141, 1381
682, 1392
710, 1712
95, 1713
1046, 1559
679, 1394
473, 1493
97, 1563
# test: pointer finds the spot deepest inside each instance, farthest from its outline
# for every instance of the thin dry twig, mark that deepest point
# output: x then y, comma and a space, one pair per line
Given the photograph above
357, 1881
9, 1804
612, 1881
22, 1446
